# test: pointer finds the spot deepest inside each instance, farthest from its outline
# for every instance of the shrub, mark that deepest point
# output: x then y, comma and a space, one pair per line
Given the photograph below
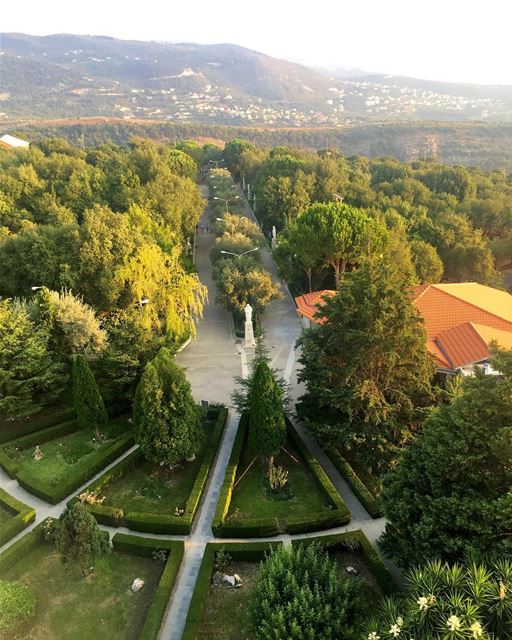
89, 407
17, 602
300, 595
22, 516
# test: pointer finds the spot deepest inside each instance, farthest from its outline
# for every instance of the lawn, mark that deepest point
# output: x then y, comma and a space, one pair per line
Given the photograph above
64, 453
226, 613
69, 607
148, 488
6, 516
251, 499
344, 559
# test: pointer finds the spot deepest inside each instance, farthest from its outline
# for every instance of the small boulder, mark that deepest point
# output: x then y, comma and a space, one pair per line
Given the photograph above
228, 581
137, 585
217, 578
352, 571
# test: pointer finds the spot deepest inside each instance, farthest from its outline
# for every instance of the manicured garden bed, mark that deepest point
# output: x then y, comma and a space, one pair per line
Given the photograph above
219, 613
14, 516
101, 605
70, 457
144, 497
247, 509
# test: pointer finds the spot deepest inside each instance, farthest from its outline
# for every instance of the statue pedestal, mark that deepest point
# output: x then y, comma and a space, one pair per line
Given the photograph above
249, 341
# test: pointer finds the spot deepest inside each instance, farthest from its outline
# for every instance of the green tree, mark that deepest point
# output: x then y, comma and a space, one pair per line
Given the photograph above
164, 412
89, 406
242, 281
233, 224
339, 234
300, 596
79, 539
427, 263
466, 601
367, 365
451, 491
17, 603
233, 243
267, 428
29, 377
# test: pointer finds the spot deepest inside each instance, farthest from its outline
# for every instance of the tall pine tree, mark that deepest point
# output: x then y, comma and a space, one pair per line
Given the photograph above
165, 415
89, 406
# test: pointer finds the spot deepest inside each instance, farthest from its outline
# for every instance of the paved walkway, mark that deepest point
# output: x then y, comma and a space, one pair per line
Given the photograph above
212, 361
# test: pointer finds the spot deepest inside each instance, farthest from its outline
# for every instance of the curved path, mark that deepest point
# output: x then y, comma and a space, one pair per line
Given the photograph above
212, 361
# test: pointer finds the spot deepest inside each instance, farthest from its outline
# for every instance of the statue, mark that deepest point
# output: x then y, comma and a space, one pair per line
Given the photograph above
274, 238
274, 232
249, 332
248, 191
38, 454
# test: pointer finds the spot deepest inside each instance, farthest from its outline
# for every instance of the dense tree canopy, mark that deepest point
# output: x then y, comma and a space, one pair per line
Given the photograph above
366, 365
451, 491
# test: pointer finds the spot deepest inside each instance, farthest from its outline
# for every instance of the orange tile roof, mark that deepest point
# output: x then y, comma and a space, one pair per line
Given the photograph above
309, 303
461, 319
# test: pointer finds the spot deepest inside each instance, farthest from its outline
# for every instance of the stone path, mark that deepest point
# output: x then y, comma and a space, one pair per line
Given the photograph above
212, 360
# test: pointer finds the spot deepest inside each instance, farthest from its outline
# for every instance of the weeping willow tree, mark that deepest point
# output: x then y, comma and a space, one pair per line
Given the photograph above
176, 298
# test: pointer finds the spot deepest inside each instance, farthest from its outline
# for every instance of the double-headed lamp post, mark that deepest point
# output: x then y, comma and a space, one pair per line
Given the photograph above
239, 255
226, 201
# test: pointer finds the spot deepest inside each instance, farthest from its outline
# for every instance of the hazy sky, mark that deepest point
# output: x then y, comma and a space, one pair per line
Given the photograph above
456, 40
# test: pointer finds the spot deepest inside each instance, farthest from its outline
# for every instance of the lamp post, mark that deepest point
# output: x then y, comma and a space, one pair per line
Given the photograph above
37, 288
226, 201
337, 197
239, 255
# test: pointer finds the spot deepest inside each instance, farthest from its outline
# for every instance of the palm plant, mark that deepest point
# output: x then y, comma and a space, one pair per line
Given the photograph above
449, 602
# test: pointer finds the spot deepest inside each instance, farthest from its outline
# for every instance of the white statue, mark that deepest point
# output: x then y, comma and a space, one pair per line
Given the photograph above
249, 331
274, 233
248, 313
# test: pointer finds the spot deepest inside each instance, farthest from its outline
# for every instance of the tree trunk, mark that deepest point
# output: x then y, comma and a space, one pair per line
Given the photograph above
310, 275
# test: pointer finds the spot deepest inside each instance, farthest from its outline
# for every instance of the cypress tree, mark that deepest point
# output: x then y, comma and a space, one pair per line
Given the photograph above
165, 414
89, 406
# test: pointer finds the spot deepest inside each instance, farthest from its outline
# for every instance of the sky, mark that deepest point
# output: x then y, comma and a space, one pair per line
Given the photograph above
452, 40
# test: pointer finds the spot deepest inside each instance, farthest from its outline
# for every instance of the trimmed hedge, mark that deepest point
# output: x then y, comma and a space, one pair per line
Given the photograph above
23, 515
154, 522
370, 555
369, 502
136, 545
266, 527
246, 551
19, 428
77, 476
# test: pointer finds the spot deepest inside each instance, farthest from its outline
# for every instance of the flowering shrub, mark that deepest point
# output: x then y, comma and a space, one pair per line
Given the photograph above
444, 602
91, 497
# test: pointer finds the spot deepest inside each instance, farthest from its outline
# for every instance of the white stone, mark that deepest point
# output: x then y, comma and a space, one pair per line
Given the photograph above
192, 458
228, 581
238, 579
352, 571
137, 585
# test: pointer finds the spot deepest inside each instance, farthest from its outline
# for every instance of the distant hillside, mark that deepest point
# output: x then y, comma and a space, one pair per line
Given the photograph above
97, 76
470, 144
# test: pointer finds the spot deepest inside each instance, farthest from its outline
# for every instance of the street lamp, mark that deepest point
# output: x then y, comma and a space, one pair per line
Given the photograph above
337, 197
36, 288
226, 201
239, 255
143, 301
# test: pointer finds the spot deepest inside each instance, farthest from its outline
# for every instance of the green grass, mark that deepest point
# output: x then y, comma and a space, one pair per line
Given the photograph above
251, 499
69, 607
344, 559
136, 493
6, 515
61, 454
226, 613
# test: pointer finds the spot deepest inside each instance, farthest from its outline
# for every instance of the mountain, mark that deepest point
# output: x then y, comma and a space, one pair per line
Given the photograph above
65, 75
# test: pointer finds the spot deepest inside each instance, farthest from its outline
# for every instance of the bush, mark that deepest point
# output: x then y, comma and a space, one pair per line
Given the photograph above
365, 497
17, 602
357, 540
23, 515
19, 428
244, 551
300, 595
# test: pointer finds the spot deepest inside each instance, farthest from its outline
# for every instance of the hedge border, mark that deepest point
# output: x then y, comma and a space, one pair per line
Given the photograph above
22, 546
266, 527
361, 491
370, 555
136, 545
23, 515
152, 522
249, 551
75, 478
